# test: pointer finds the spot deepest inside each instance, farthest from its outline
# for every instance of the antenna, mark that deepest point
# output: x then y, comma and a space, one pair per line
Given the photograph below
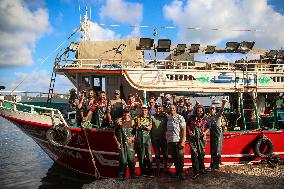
90, 13
79, 9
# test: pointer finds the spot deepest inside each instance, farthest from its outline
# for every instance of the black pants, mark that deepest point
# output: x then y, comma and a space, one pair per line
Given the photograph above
178, 156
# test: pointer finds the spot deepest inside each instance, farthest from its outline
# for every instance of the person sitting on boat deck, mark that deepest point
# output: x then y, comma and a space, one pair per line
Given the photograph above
88, 108
143, 141
101, 114
158, 137
198, 128
116, 106
152, 109
214, 119
124, 136
134, 106
181, 108
176, 128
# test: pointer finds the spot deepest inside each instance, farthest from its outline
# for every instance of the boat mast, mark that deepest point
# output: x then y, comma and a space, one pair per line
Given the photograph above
85, 27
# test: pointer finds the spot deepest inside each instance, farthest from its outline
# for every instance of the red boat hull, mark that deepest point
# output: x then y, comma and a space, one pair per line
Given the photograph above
237, 148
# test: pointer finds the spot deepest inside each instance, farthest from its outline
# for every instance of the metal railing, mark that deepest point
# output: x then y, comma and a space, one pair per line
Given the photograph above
31, 109
257, 66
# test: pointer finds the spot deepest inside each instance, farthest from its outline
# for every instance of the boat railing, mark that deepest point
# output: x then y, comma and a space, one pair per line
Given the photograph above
246, 65
15, 106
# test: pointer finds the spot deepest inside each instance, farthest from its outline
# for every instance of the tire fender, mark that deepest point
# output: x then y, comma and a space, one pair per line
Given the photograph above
268, 144
58, 136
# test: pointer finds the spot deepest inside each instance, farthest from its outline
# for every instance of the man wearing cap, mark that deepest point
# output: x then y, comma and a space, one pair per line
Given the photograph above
167, 105
152, 109
116, 106
124, 137
133, 105
181, 108
143, 141
176, 128
158, 137
216, 134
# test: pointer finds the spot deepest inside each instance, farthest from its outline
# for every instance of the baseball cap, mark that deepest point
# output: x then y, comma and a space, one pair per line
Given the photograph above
116, 91
144, 106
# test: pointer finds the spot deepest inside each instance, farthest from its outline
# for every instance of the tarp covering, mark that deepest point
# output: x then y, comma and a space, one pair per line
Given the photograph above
110, 52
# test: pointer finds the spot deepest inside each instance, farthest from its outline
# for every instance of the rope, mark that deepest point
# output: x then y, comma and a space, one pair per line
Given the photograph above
234, 135
97, 173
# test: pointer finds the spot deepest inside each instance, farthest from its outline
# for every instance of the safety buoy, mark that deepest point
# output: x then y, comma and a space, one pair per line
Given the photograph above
263, 143
58, 136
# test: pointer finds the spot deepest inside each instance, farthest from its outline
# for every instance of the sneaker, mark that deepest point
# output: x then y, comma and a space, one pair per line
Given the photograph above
175, 175
203, 172
121, 178
134, 177
182, 177
194, 176
151, 176
167, 172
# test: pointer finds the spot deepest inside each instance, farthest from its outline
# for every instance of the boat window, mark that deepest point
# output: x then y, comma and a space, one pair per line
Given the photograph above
86, 81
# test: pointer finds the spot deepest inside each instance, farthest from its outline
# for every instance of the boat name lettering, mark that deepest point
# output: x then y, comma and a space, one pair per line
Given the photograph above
68, 152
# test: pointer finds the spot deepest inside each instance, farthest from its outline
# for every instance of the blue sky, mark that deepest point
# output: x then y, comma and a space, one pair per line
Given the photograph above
31, 29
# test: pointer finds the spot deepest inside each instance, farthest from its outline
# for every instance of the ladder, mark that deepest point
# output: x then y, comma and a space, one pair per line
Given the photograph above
249, 108
51, 85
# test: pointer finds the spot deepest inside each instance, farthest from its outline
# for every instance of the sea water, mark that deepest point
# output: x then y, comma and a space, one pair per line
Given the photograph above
23, 164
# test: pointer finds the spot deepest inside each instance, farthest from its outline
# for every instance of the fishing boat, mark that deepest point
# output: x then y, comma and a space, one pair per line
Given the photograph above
255, 124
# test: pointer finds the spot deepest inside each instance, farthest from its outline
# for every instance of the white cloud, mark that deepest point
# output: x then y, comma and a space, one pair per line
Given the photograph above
98, 33
20, 28
122, 11
227, 14
37, 81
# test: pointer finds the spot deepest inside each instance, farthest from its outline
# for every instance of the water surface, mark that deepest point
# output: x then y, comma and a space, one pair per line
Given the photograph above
24, 165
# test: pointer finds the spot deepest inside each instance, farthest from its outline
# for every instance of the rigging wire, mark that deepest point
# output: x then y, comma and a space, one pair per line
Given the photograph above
43, 61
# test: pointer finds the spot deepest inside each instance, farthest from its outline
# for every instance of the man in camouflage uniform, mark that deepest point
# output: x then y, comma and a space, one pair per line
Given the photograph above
216, 134
158, 137
101, 111
143, 145
124, 137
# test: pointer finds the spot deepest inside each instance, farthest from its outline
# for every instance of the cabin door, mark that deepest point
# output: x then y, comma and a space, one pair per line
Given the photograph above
98, 83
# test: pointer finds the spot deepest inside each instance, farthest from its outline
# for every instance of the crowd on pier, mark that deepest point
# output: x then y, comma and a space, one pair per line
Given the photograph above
163, 124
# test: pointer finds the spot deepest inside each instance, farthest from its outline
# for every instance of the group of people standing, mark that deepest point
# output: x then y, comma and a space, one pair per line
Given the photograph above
161, 125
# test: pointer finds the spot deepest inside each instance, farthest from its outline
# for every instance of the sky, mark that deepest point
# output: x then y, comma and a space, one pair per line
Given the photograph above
31, 30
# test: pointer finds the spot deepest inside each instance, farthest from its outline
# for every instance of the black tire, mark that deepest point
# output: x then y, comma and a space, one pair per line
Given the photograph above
58, 137
263, 142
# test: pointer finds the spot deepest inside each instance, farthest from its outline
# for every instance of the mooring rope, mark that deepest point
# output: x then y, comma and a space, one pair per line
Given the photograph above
97, 173
239, 134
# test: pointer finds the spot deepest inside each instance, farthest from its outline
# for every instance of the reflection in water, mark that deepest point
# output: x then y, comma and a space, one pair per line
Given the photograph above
59, 176
23, 164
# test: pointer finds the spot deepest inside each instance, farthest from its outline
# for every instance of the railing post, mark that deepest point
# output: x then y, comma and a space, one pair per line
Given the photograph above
14, 107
